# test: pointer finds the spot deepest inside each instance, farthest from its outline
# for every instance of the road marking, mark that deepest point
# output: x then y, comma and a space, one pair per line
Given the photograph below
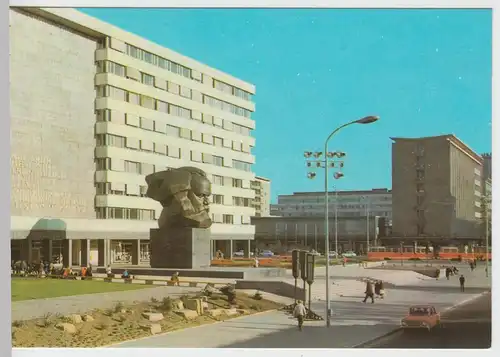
397, 331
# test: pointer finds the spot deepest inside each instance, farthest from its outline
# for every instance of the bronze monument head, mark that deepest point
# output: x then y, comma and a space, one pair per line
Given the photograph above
184, 194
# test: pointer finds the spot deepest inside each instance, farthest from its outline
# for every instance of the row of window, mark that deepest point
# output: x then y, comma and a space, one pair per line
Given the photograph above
225, 106
229, 89
230, 219
167, 150
143, 100
147, 79
340, 198
147, 169
162, 149
150, 215
125, 213
164, 107
237, 201
156, 60
184, 71
159, 127
107, 188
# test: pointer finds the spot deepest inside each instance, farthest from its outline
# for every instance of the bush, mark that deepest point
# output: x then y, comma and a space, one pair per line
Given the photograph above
456, 259
387, 258
166, 304
415, 259
118, 307
257, 295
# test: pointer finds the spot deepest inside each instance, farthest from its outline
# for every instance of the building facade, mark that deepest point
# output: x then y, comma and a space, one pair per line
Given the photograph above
436, 190
262, 200
376, 202
282, 234
94, 109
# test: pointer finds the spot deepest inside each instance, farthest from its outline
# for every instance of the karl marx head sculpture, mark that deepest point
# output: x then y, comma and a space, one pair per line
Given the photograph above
183, 193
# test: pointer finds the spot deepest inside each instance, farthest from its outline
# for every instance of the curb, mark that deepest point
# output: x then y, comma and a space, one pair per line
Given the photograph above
114, 345
390, 334
377, 340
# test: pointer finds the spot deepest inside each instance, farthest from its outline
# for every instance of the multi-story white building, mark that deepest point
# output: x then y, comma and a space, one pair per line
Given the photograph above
376, 202
94, 110
262, 200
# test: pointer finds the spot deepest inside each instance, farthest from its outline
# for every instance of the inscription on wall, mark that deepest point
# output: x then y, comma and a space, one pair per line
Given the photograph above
52, 120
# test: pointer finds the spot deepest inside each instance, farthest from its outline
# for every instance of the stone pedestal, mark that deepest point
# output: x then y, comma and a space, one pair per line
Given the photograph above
180, 248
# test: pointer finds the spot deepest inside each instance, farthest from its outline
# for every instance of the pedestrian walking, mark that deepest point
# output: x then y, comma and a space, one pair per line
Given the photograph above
299, 312
369, 292
462, 283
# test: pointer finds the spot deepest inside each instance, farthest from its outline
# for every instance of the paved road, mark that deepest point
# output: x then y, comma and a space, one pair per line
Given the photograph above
353, 323
468, 326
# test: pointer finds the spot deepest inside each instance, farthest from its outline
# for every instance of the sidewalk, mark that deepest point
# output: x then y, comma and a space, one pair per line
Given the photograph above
32, 309
352, 323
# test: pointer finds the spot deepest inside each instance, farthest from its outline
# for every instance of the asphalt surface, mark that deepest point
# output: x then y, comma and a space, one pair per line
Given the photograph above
468, 326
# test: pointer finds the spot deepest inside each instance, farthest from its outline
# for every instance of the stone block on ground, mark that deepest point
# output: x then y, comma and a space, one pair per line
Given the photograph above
153, 316
195, 305
204, 305
155, 329
88, 318
243, 311
231, 312
152, 328
177, 305
188, 314
66, 327
215, 312
74, 318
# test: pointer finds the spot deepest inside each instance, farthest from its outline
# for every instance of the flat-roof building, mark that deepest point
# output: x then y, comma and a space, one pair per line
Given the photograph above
262, 200
94, 109
436, 190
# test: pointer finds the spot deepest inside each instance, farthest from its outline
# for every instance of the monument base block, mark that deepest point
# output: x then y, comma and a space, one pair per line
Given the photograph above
180, 248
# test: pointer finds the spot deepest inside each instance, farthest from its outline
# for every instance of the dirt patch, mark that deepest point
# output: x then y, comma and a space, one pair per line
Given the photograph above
126, 322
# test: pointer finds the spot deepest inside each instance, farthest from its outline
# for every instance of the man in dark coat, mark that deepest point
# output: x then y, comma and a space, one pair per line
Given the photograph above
369, 292
462, 283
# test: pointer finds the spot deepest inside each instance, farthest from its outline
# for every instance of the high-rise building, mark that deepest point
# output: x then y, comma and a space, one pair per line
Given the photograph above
94, 109
262, 200
487, 169
375, 202
436, 190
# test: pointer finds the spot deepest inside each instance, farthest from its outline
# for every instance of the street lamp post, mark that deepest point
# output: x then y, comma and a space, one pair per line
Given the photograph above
326, 163
486, 205
367, 208
336, 221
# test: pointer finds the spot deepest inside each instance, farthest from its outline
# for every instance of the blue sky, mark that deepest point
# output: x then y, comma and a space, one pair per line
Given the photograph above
424, 72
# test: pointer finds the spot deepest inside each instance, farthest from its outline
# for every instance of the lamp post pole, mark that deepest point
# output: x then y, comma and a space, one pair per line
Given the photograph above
487, 233
326, 165
336, 220
367, 225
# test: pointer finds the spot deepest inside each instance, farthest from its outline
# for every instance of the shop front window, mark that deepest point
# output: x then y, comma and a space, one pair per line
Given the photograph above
121, 252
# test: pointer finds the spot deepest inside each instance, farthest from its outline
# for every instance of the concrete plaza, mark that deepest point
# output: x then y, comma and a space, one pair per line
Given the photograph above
352, 323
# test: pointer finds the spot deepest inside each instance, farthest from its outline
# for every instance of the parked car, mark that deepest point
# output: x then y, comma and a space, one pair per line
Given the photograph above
333, 254
421, 317
239, 254
266, 253
349, 254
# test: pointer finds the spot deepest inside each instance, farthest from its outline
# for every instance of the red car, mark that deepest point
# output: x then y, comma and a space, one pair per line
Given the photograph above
421, 317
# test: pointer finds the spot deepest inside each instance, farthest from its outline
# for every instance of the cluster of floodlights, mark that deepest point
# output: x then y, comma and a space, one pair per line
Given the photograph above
324, 163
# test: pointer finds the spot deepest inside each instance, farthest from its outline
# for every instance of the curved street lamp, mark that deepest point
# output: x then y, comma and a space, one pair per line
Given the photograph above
325, 164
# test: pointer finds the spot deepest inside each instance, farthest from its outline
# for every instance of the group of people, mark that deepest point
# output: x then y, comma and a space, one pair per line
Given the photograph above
374, 290
473, 264
450, 271
44, 269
